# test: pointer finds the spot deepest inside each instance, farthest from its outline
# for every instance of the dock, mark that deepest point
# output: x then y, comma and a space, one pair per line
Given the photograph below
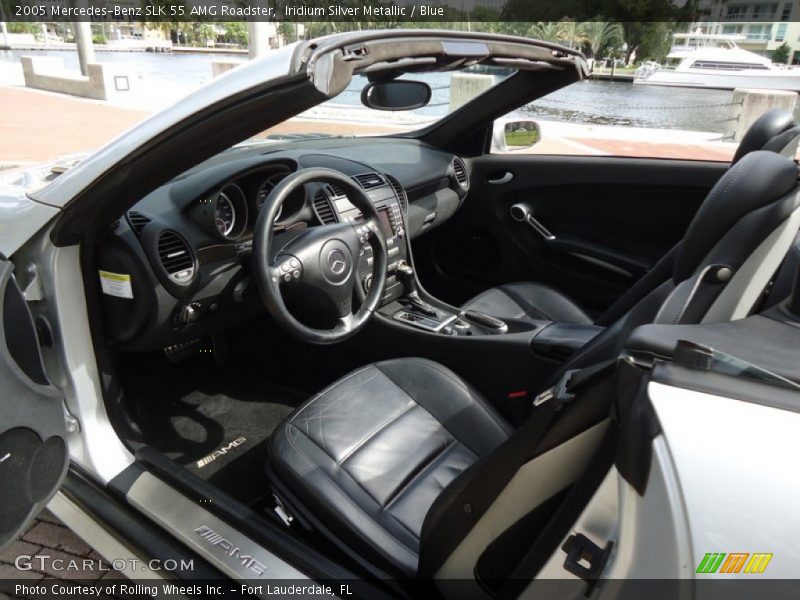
615, 77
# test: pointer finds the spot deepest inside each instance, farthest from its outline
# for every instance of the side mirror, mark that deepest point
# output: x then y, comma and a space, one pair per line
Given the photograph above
513, 136
396, 95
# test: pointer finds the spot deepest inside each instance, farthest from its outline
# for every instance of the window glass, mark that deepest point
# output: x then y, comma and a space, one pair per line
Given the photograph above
606, 118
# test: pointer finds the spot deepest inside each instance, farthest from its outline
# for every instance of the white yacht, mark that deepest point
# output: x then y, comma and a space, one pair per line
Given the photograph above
716, 62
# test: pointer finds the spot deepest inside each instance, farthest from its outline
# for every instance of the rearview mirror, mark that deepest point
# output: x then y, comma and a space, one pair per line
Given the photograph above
396, 95
513, 136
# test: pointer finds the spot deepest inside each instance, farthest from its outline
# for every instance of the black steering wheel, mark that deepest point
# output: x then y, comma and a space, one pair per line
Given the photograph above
320, 263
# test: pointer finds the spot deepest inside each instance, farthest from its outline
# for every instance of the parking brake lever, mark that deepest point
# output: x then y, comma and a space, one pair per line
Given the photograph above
524, 214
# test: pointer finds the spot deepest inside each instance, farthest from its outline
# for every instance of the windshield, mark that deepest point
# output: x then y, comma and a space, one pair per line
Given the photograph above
346, 116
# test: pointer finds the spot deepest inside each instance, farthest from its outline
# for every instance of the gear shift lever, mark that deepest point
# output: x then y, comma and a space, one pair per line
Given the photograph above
405, 273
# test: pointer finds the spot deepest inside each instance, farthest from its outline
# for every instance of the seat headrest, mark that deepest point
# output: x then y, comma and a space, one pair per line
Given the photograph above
762, 133
757, 180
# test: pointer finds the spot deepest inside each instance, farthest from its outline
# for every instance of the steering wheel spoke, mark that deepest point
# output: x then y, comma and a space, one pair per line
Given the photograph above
286, 269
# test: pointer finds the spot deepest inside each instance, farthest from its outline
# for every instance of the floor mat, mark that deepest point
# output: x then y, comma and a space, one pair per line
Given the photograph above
216, 421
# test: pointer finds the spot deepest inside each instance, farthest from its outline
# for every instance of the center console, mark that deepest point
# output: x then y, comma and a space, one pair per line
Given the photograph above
390, 214
406, 304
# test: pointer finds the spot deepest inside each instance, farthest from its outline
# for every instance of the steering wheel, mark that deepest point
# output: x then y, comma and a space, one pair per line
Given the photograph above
319, 263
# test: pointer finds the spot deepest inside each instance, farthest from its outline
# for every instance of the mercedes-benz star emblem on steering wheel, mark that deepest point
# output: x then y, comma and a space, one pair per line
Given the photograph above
337, 261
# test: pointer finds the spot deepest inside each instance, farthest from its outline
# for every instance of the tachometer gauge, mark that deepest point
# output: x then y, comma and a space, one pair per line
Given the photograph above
224, 215
265, 190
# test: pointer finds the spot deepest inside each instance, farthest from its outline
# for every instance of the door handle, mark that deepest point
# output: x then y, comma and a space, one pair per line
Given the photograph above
502, 180
524, 214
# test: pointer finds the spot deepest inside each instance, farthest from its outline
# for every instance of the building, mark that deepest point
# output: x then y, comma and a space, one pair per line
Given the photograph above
765, 25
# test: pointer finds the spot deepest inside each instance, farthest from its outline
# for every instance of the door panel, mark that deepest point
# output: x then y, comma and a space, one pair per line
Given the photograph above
33, 450
611, 218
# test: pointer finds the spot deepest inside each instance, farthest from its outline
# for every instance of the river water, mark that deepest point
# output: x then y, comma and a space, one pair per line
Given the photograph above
594, 102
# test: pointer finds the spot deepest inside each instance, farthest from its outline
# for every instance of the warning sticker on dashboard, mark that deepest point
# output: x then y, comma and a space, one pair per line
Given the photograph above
116, 284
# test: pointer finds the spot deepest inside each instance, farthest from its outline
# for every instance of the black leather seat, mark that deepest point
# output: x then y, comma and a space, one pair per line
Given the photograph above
775, 131
388, 459
371, 453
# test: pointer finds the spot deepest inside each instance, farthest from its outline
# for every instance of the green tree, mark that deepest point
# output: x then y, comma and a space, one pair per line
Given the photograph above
646, 24
204, 33
782, 54
571, 33
236, 32
599, 35
547, 31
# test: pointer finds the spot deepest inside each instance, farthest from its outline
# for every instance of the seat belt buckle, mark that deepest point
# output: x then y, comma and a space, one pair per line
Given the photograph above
560, 392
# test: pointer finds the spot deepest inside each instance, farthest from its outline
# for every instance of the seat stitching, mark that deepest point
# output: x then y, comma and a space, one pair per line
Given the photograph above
437, 458
393, 418
478, 402
329, 388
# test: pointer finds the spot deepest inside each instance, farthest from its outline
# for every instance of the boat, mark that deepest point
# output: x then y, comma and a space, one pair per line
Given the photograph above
715, 61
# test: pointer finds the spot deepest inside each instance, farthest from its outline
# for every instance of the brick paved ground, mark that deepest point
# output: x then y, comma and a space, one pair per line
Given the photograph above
47, 536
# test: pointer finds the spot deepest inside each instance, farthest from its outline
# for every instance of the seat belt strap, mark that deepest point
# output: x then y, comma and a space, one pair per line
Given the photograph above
571, 381
478, 493
563, 519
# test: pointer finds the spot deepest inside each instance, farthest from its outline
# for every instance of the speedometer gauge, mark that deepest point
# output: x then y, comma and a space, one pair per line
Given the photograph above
266, 189
227, 214
224, 215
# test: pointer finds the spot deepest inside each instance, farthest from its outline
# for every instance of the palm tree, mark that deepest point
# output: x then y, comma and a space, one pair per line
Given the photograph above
547, 31
599, 34
571, 32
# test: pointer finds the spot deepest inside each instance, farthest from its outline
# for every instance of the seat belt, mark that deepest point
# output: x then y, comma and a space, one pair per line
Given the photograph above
472, 501
562, 521
571, 381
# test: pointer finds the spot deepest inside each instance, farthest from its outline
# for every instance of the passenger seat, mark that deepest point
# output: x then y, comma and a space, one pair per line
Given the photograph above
775, 131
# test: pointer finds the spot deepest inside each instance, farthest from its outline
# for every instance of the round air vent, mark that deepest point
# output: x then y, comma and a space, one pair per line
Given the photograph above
460, 173
176, 256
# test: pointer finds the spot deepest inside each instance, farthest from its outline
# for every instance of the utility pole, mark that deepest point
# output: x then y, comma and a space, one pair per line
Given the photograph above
258, 34
83, 39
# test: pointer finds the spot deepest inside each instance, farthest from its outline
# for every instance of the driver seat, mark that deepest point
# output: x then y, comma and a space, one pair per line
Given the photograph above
370, 454
405, 464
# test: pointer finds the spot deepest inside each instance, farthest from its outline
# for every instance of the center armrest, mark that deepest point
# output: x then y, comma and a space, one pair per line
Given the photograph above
561, 340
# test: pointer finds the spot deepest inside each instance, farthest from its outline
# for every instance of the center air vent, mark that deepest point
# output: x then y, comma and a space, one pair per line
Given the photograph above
323, 208
369, 180
460, 172
176, 257
137, 221
399, 192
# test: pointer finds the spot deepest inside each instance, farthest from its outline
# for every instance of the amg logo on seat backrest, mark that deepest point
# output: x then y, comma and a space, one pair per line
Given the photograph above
221, 452
231, 550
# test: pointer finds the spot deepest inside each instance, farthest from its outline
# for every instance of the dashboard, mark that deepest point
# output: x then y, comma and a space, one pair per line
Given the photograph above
177, 266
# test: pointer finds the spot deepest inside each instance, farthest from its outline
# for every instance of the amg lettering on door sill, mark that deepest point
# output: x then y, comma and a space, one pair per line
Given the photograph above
221, 452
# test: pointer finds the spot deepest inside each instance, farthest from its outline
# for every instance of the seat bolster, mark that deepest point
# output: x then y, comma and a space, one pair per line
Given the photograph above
450, 400
528, 300
338, 501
